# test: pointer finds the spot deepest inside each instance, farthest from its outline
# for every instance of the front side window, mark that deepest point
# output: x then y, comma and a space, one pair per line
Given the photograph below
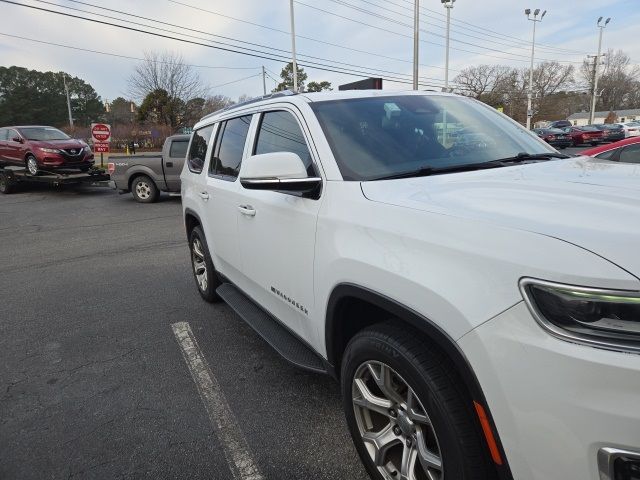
279, 132
229, 147
630, 154
379, 137
4, 134
198, 150
606, 155
178, 148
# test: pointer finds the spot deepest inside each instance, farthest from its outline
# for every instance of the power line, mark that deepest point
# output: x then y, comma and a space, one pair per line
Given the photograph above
286, 53
121, 56
235, 81
312, 39
313, 65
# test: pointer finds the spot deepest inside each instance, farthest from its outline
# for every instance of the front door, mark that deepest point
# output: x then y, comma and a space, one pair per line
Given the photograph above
173, 163
277, 231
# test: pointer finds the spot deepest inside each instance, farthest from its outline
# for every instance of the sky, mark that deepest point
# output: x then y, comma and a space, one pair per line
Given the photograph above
373, 37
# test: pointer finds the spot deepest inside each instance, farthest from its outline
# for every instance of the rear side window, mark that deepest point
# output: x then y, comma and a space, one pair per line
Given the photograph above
178, 148
630, 154
279, 132
3, 134
229, 147
606, 155
198, 150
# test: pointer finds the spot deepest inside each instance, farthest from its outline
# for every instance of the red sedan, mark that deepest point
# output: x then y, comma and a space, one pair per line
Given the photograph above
582, 135
626, 151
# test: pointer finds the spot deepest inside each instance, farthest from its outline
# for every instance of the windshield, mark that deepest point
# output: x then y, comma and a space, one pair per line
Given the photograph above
43, 133
382, 136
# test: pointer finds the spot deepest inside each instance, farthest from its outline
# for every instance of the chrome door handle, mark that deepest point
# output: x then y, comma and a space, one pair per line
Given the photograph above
247, 210
204, 195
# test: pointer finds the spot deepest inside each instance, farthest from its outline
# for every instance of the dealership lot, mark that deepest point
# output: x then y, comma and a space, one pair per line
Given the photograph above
94, 384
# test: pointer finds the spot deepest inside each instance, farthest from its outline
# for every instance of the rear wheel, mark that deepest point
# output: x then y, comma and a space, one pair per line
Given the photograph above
409, 417
144, 190
32, 165
6, 184
205, 274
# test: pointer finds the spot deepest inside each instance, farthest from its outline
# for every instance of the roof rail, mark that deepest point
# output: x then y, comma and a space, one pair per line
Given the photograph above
283, 93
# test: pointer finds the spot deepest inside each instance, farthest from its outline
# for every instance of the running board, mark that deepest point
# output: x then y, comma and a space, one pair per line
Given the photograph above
271, 330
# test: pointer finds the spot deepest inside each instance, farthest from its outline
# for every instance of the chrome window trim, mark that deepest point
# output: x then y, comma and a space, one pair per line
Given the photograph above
566, 335
606, 460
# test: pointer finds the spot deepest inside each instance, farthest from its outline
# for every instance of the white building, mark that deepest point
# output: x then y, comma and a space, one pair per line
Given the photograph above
582, 118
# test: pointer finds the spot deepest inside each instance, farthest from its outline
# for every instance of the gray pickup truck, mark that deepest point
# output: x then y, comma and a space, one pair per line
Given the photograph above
146, 176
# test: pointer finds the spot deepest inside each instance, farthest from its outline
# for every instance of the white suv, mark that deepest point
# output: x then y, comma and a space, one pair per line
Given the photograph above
475, 292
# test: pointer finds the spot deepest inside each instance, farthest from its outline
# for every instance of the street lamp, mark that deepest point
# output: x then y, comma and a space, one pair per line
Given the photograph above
294, 63
448, 4
596, 61
535, 20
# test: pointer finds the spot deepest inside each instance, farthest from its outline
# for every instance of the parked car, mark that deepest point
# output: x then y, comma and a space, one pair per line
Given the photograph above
611, 132
560, 124
554, 136
145, 176
582, 135
625, 151
41, 148
631, 129
480, 308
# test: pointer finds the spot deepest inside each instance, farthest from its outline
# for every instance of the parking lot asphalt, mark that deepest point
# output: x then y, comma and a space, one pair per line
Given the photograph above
93, 383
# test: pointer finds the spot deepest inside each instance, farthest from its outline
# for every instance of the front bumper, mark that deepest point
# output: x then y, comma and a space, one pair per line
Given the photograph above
53, 160
555, 404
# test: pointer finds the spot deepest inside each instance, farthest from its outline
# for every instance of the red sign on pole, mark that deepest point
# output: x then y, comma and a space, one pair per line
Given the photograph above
101, 147
101, 133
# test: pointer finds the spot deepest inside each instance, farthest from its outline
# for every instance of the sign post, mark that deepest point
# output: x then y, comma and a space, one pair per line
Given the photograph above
101, 136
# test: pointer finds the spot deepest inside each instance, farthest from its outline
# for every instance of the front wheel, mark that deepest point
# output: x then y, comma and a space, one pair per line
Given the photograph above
144, 190
406, 410
32, 165
205, 274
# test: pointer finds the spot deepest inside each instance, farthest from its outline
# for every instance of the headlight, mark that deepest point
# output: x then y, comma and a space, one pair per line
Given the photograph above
605, 318
50, 150
87, 149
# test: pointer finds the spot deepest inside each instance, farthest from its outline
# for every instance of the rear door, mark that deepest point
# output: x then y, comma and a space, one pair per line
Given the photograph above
173, 158
13, 149
3, 142
630, 154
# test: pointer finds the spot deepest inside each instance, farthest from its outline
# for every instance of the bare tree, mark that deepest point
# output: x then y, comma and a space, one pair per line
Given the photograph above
618, 82
165, 71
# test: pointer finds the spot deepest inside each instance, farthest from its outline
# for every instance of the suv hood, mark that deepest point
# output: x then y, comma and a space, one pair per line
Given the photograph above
592, 203
69, 143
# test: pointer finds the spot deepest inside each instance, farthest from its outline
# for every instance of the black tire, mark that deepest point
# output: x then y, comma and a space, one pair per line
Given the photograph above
6, 185
144, 190
212, 278
439, 388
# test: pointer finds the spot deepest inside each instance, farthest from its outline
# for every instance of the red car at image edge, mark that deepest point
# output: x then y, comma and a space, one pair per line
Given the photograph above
625, 151
42, 148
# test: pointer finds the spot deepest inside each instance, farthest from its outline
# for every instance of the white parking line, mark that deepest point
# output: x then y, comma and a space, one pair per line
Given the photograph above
236, 450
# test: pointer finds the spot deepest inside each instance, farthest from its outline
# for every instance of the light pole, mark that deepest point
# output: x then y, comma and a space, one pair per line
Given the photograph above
416, 42
594, 95
535, 20
66, 89
293, 48
448, 4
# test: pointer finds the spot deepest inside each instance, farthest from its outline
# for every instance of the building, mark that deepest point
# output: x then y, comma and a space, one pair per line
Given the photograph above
582, 118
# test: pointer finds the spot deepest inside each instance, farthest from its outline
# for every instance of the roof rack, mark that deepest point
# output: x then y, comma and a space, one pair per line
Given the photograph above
283, 93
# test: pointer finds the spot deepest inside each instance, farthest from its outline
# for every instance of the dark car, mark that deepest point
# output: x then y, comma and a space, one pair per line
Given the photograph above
582, 135
41, 148
554, 137
612, 132
560, 124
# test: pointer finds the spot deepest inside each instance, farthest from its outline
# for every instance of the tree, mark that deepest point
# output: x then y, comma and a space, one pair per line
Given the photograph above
619, 81
121, 112
33, 97
319, 86
159, 107
287, 78
215, 103
611, 118
167, 72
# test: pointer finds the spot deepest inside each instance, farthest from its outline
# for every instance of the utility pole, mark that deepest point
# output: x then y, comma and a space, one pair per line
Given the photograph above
264, 81
596, 63
416, 42
293, 48
448, 4
535, 20
66, 89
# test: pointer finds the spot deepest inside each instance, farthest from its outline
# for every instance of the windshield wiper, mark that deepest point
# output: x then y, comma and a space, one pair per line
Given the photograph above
525, 157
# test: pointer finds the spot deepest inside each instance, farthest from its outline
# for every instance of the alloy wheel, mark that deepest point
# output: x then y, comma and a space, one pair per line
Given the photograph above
394, 426
32, 165
199, 264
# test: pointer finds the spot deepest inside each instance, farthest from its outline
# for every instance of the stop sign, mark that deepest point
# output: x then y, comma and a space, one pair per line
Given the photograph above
101, 132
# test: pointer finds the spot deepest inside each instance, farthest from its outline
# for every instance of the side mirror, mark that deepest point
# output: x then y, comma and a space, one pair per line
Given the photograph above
17, 139
278, 171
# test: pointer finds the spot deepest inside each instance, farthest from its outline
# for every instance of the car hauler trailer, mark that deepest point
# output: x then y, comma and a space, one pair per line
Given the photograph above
10, 177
